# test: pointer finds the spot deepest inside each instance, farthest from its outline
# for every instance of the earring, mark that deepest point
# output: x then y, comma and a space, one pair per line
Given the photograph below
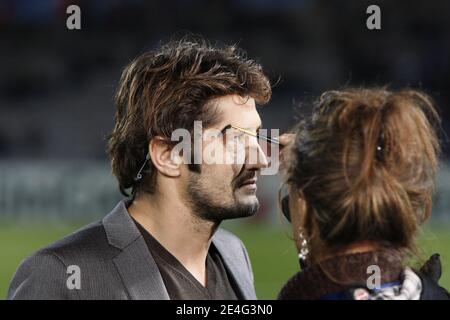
303, 247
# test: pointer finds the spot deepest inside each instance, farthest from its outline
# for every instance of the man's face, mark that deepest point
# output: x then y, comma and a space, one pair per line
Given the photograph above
227, 190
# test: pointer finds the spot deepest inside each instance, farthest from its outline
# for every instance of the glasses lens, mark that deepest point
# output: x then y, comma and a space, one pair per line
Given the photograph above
285, 208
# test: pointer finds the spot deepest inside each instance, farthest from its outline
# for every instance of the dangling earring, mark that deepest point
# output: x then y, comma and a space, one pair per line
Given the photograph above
303, 247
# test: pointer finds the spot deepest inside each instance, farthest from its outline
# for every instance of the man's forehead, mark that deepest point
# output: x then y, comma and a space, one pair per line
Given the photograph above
239, 111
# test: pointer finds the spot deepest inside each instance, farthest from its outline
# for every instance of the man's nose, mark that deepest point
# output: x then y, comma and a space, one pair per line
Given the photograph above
256, 158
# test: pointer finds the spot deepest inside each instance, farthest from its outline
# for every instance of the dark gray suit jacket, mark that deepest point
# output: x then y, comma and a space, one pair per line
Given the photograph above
114, 263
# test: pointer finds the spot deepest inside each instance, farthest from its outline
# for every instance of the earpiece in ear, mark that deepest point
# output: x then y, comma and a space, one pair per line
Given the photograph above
139, 174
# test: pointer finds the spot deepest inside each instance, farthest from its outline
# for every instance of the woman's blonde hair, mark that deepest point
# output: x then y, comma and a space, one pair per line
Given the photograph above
364, 166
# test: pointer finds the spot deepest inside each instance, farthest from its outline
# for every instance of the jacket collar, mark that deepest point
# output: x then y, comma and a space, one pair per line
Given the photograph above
237, 270
138, 269
134, 263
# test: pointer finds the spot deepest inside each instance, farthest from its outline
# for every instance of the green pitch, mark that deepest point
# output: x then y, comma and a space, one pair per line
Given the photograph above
270, 248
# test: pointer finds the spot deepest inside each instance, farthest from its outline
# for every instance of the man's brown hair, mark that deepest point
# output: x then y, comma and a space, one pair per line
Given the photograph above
169, 88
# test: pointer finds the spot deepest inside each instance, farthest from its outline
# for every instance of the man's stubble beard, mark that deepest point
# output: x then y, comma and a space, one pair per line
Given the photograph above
205, 207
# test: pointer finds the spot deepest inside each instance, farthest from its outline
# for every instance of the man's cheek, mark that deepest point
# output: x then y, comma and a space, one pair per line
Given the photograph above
236, 169
212, 153
234, 154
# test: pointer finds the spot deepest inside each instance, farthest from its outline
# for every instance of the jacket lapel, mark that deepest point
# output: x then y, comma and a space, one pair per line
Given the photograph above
238, 271
136, 266
138, 269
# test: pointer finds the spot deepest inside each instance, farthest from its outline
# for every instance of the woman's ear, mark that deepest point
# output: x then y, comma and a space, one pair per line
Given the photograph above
296, 209
162, 157
295, 205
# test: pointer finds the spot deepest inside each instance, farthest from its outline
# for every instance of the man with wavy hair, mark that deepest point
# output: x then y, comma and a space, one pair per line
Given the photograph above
163, 241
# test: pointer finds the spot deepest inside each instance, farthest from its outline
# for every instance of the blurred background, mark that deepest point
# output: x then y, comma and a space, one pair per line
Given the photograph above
57, 86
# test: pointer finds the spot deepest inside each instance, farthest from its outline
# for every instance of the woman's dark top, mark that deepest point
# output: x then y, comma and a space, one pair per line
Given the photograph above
350, 273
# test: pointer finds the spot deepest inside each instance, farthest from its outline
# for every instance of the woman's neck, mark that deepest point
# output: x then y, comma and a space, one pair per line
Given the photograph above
358, 247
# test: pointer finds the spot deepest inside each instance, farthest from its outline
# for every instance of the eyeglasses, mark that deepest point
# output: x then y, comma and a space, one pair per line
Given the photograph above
285, 208
251, 133
236, 134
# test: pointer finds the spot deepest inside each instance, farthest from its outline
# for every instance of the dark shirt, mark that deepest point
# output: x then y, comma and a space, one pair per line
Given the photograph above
181, 284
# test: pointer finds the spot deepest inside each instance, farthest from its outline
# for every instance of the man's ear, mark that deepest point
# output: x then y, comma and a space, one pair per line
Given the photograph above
162, 158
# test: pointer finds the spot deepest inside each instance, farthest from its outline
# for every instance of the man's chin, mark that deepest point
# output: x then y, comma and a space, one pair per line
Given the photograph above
248, 205
241, 209
247, 201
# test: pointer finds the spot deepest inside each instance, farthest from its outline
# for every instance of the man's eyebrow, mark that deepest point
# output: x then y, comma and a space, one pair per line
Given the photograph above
228, 126
257, 128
